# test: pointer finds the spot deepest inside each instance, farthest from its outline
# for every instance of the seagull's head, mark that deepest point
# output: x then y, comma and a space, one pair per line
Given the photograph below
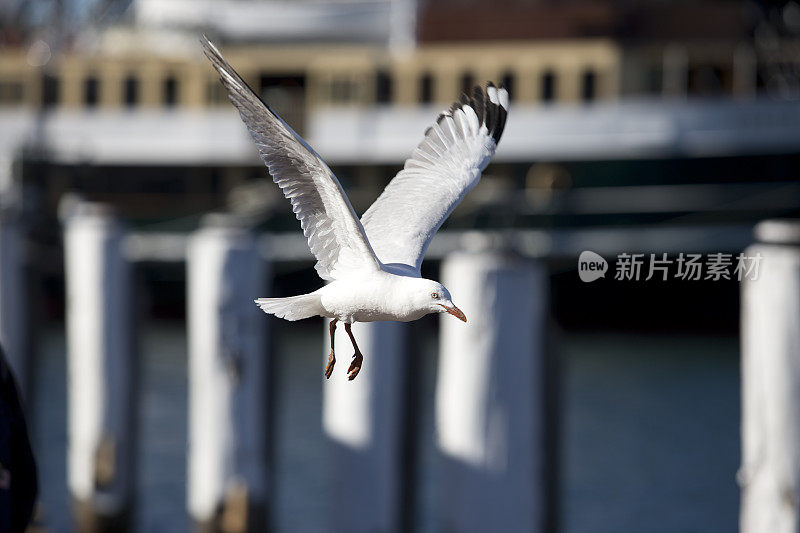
433, 297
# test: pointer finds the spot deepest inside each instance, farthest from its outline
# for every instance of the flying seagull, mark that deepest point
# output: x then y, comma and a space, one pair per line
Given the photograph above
373, 265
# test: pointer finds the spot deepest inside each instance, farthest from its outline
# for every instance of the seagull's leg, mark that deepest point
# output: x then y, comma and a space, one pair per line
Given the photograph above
331, 356
355, 366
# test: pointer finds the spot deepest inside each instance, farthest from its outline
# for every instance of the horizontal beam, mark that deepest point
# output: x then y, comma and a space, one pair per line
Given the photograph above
386, 135
559, 243
640, 199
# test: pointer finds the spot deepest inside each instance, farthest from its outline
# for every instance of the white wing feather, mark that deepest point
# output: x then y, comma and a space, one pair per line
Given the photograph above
335, 235
445, 166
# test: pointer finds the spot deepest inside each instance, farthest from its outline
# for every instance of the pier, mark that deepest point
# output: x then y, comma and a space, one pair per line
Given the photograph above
496, 410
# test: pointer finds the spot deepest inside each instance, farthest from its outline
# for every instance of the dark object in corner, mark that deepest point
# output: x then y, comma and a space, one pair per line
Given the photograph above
18, 482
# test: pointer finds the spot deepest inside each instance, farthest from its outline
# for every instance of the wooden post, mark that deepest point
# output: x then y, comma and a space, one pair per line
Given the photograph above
228, 432
490, 404
101, 383
364, 419
745, 71
675, 71
13, 300
770, 329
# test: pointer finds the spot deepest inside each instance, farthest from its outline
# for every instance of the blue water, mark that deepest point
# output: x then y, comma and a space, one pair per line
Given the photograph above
650, 432
651, 438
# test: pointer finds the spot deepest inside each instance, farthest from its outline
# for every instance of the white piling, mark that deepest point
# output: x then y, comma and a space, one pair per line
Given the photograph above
490, 409
101, 366
364, 420
228, 372
13, 298
770, 334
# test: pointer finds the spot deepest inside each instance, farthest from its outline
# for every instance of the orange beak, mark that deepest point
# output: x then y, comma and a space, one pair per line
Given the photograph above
456, 312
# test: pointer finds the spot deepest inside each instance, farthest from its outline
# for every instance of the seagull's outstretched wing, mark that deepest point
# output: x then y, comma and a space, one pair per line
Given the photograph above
445, 166
335, 235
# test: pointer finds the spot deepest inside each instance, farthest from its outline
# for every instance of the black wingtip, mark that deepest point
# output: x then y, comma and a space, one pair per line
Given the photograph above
499, 101
490, 104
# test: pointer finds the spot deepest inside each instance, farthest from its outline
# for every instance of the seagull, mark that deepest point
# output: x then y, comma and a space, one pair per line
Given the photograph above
373, 264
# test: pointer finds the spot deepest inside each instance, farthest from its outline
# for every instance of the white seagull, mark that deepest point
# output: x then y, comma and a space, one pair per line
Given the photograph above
373, 265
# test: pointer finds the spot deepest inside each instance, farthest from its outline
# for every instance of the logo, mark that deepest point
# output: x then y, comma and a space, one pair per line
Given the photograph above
591, 266
683, 267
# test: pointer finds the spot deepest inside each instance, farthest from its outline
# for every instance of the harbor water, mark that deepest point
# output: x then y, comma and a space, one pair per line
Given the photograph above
649, 431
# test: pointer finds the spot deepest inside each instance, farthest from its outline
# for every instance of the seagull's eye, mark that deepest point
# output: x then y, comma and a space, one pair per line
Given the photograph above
435, 295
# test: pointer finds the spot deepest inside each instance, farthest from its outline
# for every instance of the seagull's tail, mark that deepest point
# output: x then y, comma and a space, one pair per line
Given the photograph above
293, 307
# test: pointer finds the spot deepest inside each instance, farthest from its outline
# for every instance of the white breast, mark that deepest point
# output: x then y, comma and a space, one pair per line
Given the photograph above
367, 298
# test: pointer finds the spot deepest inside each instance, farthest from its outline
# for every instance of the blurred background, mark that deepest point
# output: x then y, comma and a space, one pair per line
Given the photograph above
636, 126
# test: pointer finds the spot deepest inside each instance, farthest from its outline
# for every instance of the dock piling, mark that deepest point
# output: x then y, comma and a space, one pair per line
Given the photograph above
101, 367
364, 420
228, 472
490, 409
770, 338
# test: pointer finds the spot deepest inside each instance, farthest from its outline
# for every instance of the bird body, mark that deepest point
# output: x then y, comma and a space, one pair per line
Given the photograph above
382, 296
376, 296
372, 264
